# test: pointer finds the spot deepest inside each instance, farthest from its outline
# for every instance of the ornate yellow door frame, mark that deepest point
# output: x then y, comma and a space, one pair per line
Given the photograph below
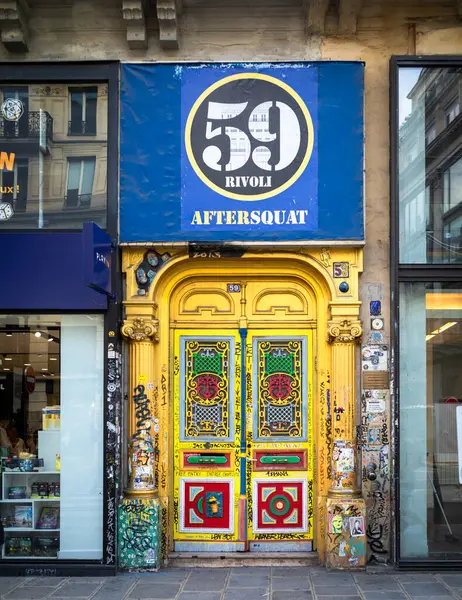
332, 276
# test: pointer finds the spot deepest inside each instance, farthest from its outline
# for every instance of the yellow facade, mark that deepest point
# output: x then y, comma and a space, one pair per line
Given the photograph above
292, 292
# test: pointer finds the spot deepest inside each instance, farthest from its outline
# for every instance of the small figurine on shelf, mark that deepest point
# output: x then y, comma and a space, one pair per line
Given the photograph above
58, 462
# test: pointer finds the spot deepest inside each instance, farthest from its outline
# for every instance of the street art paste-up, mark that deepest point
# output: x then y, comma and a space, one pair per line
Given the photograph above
374, 357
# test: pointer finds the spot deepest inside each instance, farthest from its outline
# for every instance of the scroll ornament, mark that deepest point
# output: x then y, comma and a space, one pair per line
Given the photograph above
345, 331
140, 330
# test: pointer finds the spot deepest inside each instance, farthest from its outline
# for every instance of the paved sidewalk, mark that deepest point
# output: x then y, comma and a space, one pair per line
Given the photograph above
245, 583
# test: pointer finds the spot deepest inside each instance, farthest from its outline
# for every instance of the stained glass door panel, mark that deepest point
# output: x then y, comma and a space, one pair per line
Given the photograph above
280, 480
206, 453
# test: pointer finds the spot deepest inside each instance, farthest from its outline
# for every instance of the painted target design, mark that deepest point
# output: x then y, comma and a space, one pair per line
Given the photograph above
279, 506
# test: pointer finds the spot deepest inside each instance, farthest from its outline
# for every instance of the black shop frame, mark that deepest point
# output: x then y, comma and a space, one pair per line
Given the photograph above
89, 72
402, 272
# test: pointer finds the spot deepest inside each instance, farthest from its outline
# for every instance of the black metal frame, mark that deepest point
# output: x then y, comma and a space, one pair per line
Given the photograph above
88, 72
406, 273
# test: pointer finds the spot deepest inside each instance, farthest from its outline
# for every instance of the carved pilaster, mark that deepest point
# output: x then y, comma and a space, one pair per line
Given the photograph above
168, 12
134, 14
141, 334
14, 15
348, 13
140, 330
344, 332
315, 16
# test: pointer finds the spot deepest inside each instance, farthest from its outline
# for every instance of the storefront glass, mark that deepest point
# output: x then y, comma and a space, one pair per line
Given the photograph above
51, 436
430, 417
53, 155
430, 165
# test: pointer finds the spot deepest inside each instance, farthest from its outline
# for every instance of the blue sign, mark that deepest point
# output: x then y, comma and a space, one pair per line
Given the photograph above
242, 152
97, 250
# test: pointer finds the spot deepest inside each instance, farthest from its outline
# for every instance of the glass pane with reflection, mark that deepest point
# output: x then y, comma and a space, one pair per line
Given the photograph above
430, 165
430, 399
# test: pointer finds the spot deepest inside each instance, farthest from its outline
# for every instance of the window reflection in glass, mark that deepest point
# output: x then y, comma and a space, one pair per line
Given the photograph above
430, 165
53, 155
430, 393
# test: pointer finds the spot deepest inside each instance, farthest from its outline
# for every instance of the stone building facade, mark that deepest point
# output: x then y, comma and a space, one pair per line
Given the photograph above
264, 31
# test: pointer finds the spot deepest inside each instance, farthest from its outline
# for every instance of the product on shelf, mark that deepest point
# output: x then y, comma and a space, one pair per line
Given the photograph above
23, 515
51, 418
46, 546
18, 546
48, 518
24, 465
17, 492
8, 521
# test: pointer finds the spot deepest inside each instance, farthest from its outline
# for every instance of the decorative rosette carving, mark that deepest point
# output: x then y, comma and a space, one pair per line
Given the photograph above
140, 330
345, 331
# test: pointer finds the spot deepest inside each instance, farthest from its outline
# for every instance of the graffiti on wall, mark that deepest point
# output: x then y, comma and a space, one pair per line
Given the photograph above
112, 452
346, 534
374, 440
139, 533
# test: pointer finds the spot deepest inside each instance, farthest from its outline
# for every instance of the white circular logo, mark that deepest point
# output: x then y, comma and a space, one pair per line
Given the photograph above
6, 211
12, 109
249, 136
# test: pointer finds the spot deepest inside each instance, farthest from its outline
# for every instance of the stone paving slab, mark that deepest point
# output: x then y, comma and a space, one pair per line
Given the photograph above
239, 583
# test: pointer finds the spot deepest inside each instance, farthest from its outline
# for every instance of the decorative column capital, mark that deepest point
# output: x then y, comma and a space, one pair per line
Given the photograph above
140, 330
344, 332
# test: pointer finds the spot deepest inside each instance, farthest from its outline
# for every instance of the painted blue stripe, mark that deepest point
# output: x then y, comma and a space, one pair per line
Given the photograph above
243, 334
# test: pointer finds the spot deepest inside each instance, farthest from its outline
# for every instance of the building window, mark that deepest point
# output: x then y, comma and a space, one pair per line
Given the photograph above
82, 110
51, 406
13, 184
452, 112
427, 310
430, 135
80, 177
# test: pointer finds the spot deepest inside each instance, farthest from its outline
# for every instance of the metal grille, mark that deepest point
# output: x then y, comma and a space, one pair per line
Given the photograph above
278, 414
207, 414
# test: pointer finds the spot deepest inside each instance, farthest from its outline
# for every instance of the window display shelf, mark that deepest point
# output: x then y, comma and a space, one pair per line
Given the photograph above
29, 530
32, 472
31, 500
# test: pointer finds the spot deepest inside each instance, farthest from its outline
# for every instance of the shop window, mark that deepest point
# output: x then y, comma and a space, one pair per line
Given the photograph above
83, 110
80, 178
426, 238
430, 401
51, 436
13, 184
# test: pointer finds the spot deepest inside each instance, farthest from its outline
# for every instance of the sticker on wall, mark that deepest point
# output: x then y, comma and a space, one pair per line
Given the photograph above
375, 358
373, 436
343, 459
357, 526
376, 400
375, 307
335, 523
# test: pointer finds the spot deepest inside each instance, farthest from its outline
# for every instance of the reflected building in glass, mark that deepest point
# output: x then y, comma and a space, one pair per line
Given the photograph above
430, 166
53, 154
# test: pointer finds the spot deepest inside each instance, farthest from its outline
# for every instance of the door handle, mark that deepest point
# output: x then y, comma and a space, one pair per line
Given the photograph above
280, 460
206, 459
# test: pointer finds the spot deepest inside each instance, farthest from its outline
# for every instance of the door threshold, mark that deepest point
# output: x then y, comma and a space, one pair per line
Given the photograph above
242, 559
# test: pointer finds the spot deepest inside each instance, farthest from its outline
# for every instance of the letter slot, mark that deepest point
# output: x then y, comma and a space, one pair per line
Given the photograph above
280, 460
206, 459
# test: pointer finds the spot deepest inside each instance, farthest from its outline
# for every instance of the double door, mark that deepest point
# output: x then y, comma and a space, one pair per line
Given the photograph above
243, 440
